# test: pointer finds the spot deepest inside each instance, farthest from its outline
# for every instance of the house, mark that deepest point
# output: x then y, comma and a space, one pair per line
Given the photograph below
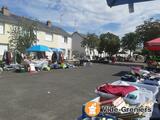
47, 34
77, 38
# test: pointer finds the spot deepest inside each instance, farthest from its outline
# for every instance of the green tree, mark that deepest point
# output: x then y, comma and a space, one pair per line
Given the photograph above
109, 43
23, 35
91, 41
149, 30
129, 42
102, 44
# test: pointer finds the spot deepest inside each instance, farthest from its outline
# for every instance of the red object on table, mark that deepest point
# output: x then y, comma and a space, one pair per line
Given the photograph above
104, 101
117, 90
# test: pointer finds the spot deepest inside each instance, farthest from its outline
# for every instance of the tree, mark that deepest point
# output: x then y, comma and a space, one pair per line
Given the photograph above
149, 30
23, 35
102, 44
109, 43
91, 41
129, 41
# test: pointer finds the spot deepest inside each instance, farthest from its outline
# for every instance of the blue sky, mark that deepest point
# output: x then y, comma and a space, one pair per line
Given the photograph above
86, 15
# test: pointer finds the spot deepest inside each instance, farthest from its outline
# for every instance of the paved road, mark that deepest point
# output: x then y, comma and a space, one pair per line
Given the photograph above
131, 64
55, 95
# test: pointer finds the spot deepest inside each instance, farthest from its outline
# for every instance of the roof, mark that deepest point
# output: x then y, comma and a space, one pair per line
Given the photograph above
80, 34
14, 19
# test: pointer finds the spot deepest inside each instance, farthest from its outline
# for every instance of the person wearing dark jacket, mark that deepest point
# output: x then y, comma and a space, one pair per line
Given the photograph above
54, 57
7, 57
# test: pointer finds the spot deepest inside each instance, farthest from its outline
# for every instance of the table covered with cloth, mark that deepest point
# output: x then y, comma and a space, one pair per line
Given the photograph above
40, 63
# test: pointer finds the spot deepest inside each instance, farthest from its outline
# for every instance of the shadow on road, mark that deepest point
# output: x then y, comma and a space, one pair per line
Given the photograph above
122, 73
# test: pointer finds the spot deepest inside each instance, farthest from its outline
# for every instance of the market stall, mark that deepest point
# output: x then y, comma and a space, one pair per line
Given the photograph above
153, 60
42, 61
134, 91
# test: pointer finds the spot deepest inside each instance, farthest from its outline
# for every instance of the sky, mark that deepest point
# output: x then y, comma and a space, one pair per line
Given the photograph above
85, 16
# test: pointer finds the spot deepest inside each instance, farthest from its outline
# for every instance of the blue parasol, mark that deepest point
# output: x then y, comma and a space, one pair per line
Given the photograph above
39, 48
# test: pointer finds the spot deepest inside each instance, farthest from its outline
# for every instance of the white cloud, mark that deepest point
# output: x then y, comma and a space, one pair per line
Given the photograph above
90, 15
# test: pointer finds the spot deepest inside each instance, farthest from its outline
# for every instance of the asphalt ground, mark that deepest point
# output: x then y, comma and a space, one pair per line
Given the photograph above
53, 95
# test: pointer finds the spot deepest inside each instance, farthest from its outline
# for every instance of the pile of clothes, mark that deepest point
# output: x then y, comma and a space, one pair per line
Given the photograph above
142, 76
40, 65
61, 66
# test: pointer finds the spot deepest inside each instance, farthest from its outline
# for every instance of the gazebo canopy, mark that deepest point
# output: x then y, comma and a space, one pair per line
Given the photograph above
153, 45
39, 48
154, 42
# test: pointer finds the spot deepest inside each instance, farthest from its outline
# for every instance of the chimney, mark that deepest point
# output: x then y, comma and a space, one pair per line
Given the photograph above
49, 23
5, 11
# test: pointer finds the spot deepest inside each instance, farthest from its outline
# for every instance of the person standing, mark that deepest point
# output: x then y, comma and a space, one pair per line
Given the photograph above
61, 57
54, 57
8, 58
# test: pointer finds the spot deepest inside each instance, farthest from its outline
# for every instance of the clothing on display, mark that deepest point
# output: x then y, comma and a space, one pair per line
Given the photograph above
117, 90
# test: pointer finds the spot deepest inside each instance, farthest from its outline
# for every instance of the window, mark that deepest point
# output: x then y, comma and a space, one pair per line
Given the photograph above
65, 40
48, 37
3, 48
1, 28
